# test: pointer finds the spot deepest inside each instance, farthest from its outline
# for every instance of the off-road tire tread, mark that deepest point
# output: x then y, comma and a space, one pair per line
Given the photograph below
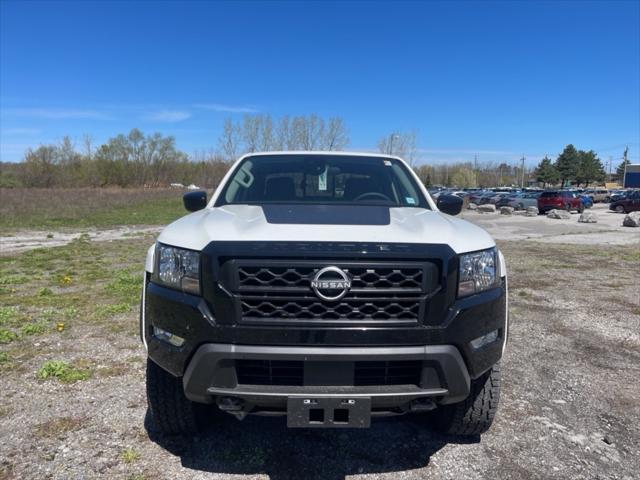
475, 414
172, 412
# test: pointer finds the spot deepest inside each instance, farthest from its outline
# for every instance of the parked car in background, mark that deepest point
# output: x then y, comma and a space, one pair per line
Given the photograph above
618, 195
561, 200
629, 203
598, 194
477, 195
520, 201
586, 200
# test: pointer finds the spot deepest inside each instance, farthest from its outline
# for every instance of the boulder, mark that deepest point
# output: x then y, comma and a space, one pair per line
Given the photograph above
532, 212
632, 220
506, 210
472, 206
486, 208
520, 212
588, 217
559, 214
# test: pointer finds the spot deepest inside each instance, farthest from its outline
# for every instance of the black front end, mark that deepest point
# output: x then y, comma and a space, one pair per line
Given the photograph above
398, 338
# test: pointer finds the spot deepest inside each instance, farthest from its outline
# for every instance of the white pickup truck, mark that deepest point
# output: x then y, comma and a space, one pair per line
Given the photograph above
328, 288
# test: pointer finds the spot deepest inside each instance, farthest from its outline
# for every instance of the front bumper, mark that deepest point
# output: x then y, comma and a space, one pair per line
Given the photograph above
328, 372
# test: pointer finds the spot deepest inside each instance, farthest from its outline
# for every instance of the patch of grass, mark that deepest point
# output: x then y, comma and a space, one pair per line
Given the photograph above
105, 311
45, 292
42, 208
56, 427
8, 315
14, 279
129, 455
7, 336
4, 357
34, 328
63, 371
137, 476
126, 286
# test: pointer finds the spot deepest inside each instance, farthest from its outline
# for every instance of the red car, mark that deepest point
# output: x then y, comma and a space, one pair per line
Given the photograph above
561, 200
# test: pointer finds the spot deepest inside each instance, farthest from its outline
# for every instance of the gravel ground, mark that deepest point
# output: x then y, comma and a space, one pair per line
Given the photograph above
569, 406
30, 239
607, 231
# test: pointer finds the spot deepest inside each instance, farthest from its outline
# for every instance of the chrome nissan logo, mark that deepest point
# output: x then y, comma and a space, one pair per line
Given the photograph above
331, 283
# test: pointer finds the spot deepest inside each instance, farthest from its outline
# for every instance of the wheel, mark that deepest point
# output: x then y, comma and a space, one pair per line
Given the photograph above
619, 209
520, 206
567, 207
581, 208
475, 414
172, 412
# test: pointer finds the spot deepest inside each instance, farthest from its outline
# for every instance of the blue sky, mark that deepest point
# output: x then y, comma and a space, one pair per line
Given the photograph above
494, 79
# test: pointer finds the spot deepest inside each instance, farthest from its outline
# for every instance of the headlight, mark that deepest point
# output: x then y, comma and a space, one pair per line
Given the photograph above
178, 268
478, 272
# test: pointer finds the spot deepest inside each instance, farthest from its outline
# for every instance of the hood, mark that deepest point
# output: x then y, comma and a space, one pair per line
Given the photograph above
244, 223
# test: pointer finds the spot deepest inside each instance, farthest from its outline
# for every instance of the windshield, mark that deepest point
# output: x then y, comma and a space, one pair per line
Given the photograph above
322, 179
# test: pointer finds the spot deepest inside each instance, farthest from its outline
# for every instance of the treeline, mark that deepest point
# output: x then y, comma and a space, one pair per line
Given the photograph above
136, 159
128, 160
470, 175
261, 132
572, 166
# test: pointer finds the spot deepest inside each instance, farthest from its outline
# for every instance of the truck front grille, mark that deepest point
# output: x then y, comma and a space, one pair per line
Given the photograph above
292, 308
291, 373
279, 292
275, 277
270, 372
388, 373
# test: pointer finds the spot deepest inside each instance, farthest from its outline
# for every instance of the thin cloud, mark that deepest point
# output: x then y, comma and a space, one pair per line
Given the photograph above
57, 113
21, 131
168, 116
447, 151
218, 107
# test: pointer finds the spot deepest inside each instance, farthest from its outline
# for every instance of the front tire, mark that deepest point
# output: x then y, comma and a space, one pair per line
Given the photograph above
619, 209
475, 414
172, 412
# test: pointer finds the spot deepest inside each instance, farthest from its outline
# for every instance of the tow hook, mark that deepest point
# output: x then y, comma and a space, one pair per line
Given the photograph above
233, 405
422, 405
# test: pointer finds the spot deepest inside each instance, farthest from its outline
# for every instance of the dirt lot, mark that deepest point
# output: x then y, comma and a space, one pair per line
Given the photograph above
570, 405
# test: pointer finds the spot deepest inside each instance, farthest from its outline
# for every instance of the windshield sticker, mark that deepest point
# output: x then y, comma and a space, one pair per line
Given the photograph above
387, 163
322, 180
410, 200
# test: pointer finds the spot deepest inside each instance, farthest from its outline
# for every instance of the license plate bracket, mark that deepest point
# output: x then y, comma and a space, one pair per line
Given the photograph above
328, 412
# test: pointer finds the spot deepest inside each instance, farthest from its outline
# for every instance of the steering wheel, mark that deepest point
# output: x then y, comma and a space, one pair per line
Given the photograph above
372, 194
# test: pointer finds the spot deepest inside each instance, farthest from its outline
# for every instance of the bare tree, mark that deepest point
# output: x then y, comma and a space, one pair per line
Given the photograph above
282, 138
266, 134
87, 141
401, 144
251, 125
335, 137
229, 140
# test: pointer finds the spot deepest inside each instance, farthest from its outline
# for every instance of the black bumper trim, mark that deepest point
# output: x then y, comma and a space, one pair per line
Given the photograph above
211, 372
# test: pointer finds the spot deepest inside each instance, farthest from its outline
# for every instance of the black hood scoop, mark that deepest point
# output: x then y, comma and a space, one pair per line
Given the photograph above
327, 214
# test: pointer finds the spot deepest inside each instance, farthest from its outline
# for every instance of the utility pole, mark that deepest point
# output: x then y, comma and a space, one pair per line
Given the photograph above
610, 164
522, 181
392, 137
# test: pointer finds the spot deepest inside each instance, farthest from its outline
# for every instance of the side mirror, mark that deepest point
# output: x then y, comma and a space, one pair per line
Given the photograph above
449, 204
194, 201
